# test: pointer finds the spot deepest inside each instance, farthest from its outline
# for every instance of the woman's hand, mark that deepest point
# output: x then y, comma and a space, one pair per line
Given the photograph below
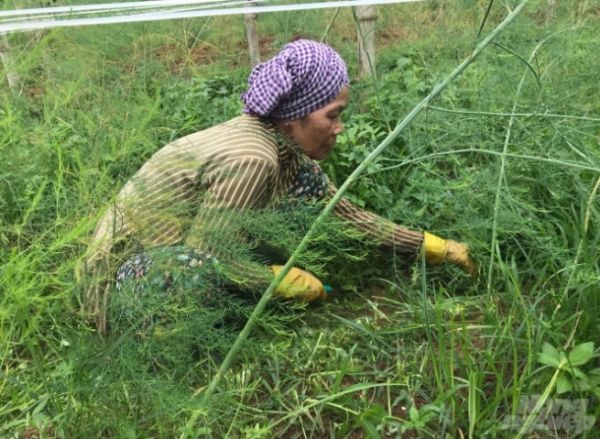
438, 250
458, 253
299, 285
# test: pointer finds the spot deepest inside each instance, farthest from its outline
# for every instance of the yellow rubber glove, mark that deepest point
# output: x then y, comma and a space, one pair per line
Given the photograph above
438, 250
300, 285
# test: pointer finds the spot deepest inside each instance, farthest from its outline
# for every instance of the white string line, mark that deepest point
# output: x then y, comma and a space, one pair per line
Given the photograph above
191, 14
54, 15
106, 6
66, 15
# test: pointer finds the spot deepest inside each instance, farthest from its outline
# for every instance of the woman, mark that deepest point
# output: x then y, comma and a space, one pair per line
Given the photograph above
192, 188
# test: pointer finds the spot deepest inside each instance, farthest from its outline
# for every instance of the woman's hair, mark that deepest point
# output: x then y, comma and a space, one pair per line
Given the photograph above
303, 77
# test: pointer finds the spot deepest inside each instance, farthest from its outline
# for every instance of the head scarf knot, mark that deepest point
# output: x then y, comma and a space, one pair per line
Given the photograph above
303, 77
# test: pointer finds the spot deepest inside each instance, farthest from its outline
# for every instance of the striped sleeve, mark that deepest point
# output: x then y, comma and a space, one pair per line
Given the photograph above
391, 237
238, 184
96, 271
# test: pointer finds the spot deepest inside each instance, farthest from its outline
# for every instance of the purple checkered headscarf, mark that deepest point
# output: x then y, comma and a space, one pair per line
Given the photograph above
302, 78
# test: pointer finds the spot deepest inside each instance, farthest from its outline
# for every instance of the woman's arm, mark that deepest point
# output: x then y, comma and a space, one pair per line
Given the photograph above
391, 237
239, 185
401, 240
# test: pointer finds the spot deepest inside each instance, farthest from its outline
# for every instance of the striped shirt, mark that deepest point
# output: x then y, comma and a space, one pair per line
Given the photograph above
186, 189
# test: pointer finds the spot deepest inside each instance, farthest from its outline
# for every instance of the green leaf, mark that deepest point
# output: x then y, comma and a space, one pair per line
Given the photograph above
582, 386
371, 430
577, 373
594, 375
550, 350
546, 359
414, 414
41, 405
402, 62
549, 355
582, 354
563, 384
374, 414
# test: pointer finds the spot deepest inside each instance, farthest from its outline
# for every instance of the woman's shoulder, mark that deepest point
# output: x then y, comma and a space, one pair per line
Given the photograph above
251, 127
238, 137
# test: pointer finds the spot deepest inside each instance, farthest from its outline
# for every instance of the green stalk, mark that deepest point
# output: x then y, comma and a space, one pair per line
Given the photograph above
485, 17
434, 363
485, 151
190, 50
576, 261
541, 402
472, 402
343, 188
488, 113
335, 14
326, 400
503, 158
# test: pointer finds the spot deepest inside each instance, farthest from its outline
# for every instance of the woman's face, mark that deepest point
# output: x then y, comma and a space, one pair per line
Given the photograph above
316, 132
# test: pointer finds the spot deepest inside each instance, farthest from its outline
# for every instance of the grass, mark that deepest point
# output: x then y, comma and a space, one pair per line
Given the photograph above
399, 350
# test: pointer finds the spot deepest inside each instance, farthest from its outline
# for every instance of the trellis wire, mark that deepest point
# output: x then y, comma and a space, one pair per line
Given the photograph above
329, 207
53, 16
155, 16
100, 8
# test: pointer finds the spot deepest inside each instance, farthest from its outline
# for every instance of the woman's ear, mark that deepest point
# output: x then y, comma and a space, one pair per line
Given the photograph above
287, 126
